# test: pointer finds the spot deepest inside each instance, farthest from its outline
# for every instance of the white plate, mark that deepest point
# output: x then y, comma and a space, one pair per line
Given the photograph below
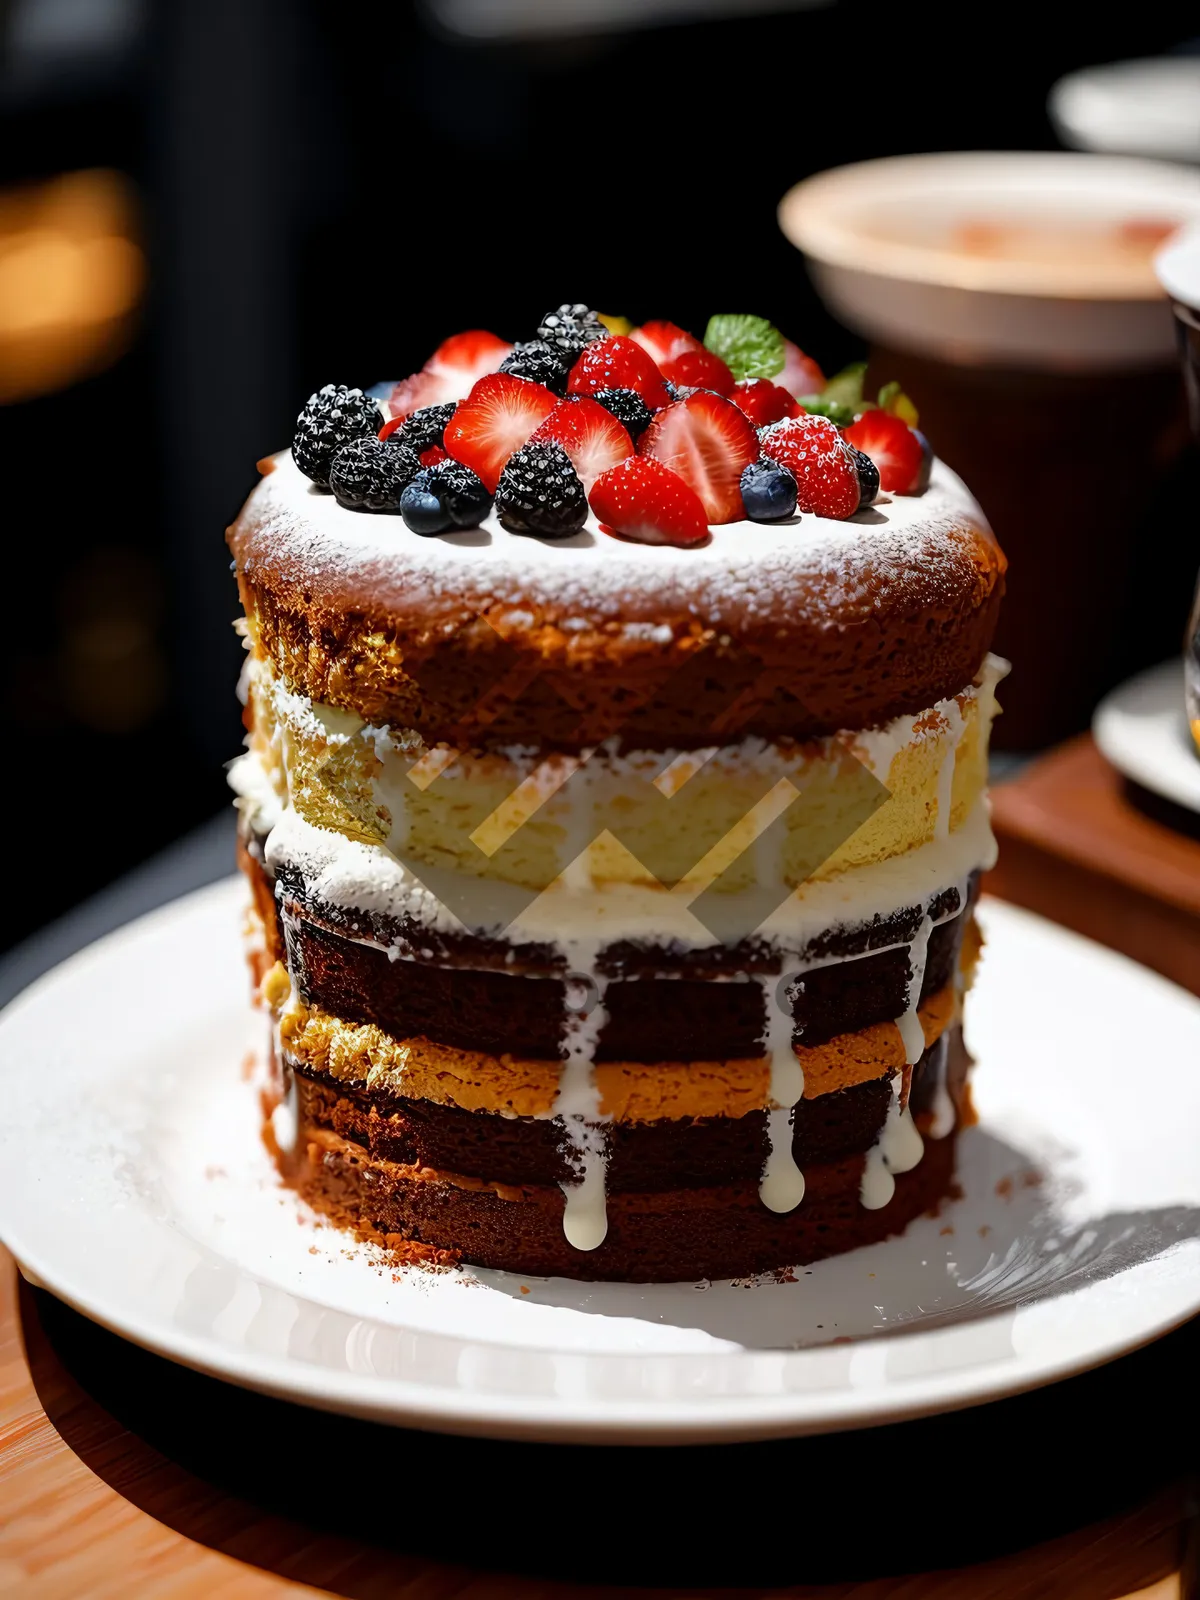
1142, 729
133, 1185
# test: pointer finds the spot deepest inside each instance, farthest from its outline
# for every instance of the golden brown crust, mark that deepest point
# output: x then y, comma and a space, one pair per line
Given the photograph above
798, 650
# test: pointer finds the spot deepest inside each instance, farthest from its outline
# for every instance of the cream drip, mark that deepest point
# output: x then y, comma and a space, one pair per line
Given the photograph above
577, 1107
898, 1149
782, 1185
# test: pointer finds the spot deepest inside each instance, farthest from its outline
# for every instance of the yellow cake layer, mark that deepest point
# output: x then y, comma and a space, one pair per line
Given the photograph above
744, 814
364, 1056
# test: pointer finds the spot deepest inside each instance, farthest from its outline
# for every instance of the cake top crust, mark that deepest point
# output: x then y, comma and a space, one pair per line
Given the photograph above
905, 554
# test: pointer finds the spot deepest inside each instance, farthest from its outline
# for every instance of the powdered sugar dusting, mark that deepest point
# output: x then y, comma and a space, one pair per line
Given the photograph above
918, 549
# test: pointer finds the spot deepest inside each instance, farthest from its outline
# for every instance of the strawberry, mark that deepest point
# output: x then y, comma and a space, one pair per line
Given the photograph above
591, 436
450, 371
496, 419
707, 441
699, 369
764, 401
618, 363
801, 375
821, 462
664, 341
642, 500
901, 455
433, 456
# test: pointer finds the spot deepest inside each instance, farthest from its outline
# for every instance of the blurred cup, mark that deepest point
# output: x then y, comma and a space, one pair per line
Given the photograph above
1014, 298
1135, 108
1178, 268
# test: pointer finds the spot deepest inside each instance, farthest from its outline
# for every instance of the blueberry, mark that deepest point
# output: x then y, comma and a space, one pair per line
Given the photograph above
464, 496
422, 510
868, 477
926, 463
768, 491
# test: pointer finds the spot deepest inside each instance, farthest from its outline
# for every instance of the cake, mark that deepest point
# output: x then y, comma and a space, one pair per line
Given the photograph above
614, 802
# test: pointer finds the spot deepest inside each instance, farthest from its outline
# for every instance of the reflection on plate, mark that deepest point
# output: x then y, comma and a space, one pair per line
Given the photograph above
133, 1184
1142, 729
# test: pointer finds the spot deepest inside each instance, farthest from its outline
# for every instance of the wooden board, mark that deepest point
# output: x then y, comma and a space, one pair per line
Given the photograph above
1075, 847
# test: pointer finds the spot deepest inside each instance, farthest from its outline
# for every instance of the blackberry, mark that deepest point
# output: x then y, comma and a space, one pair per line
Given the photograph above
571, 328
444, 498
540, 493
370, 475
629, 409
768, 491
331, 418
422, 429
540, 363
868, 476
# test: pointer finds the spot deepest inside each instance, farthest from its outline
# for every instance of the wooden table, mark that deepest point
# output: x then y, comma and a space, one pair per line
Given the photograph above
124, 1476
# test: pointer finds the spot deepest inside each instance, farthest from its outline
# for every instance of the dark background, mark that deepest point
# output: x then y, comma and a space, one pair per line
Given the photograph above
327, 191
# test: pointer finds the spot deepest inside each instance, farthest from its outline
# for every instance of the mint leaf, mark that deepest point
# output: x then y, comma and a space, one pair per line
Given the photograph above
749, 346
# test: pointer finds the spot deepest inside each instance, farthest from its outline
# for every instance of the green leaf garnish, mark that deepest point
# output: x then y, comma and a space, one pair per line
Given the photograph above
838, 412
749, 346
845, 389
893, 398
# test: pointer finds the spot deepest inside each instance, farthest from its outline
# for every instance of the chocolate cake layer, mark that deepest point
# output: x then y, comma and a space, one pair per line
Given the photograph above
723, 1232
649, 1017
667, 1154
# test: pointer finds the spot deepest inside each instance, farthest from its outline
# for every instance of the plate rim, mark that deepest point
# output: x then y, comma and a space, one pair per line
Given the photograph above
563, 1418
1165, 677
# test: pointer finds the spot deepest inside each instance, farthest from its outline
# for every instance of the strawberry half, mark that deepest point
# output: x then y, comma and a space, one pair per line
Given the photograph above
801, 375
618, 363
665, 341
591, 436
644, 501
699, 369
450, 373
496, 419
901, 454
707, 441
820, 461
764, 402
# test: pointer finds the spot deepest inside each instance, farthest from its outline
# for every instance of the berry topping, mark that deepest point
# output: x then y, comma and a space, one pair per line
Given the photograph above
571, 329
768, 491
496, 418
749, 346
618, 364
868, 478
628, 407
369, 475
330, 419
820, 460
709, 443
900, 454
444, 498
540, 492
431, 457
699, 369
800, 374
540, 363
422, 510
644, 501
451, 371
664, 341
591, 436
764, 401
420, 430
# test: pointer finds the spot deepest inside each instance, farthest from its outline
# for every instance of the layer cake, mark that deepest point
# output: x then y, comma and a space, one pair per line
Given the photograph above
613, 845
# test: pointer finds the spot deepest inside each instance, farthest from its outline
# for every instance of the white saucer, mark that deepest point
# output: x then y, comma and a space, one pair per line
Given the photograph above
1142, 729
133, 1185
